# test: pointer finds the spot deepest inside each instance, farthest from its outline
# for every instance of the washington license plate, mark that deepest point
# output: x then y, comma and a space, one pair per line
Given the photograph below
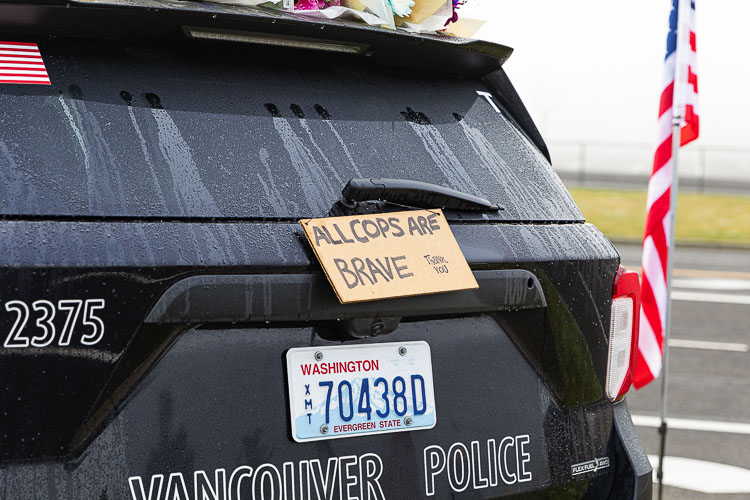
346, 391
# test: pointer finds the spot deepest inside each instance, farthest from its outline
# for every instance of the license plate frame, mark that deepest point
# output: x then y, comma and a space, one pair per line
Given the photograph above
315, 394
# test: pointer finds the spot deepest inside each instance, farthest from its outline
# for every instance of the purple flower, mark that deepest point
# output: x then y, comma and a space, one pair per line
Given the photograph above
456, 5
308, 5
315, 4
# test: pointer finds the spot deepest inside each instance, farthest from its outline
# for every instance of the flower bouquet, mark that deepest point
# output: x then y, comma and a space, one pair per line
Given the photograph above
408, 15
373, 12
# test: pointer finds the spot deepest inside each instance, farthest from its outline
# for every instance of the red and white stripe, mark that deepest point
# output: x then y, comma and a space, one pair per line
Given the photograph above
679, 98
22, 63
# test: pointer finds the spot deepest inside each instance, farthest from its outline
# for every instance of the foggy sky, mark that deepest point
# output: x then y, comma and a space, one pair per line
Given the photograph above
591, 70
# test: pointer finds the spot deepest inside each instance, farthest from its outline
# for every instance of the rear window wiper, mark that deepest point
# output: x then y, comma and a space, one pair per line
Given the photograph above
413, 194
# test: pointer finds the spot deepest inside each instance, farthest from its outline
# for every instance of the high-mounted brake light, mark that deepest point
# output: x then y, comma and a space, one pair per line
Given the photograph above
623, 333
276, 40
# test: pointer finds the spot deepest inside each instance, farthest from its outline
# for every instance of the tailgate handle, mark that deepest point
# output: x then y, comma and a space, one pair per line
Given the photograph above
309, 297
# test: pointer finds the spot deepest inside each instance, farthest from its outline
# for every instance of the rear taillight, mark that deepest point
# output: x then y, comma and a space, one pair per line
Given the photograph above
623, 333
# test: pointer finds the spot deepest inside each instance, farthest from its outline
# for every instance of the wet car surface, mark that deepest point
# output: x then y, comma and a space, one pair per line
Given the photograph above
154, 275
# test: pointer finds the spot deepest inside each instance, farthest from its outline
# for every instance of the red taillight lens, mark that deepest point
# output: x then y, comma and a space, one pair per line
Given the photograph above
623, 333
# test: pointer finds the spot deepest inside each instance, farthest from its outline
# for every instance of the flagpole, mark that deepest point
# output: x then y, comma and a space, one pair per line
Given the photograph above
676, 122
678, 108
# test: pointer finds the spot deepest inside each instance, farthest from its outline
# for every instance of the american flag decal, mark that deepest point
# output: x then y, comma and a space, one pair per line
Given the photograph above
22, 63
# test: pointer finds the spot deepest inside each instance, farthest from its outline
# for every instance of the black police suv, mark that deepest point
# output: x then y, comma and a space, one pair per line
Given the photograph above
167, 331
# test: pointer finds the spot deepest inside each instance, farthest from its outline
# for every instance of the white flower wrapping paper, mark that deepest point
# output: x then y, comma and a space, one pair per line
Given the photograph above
427, 16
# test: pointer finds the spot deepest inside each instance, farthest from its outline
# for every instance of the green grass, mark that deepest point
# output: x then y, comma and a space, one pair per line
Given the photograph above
701, 218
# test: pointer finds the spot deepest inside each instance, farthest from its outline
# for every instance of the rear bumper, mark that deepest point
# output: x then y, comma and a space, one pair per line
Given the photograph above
634, 478
204, 415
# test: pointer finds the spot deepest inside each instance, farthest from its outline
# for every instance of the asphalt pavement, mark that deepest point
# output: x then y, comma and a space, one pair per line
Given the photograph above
708, 392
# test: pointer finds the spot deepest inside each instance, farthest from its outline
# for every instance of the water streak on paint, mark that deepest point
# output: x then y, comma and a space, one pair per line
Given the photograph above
440, 152
104, 168
563, 201
84, 150
145, 243
306, 127
144, 149
511, 192
192, 194
273, 195
17, 191
326, 116
316, 187
345, 148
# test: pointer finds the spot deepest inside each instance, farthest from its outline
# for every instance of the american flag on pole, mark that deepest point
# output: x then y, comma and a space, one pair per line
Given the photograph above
679, 98
22, 63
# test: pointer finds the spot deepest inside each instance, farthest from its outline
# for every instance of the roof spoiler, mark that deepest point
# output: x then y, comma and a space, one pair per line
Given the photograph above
154, 19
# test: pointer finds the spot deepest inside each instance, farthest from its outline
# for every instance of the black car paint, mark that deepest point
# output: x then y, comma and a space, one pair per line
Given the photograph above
132, 264
80, 421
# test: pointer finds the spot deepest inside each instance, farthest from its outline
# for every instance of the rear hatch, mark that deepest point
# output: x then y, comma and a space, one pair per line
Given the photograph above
190, 129
154, 275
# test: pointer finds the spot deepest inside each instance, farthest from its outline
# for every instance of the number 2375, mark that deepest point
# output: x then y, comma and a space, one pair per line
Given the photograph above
44, 314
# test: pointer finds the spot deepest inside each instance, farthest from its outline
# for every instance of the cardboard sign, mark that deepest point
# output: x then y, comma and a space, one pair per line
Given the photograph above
382, 256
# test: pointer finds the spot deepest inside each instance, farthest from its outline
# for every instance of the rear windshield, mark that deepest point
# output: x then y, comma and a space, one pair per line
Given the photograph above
223, 131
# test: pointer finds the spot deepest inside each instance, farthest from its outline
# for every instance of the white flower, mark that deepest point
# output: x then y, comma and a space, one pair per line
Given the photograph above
401, 8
